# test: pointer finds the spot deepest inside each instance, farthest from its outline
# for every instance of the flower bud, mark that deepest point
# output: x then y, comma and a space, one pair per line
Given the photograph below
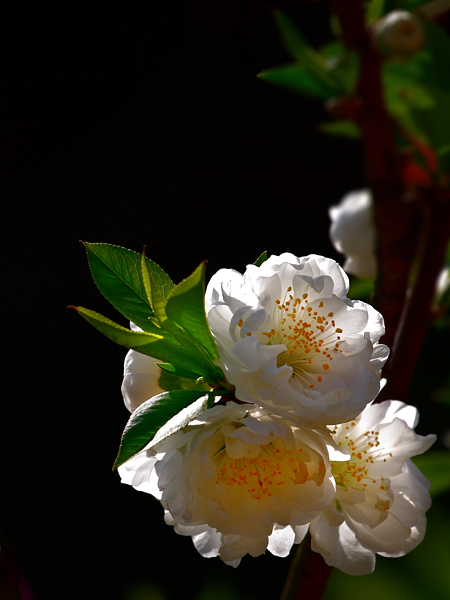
399, 33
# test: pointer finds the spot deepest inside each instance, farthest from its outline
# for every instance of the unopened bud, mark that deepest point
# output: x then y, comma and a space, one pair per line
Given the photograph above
399, 33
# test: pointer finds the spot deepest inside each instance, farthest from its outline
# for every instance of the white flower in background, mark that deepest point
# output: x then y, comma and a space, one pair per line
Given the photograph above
292, 342
140, 379
239, 480
381, 496
352, 233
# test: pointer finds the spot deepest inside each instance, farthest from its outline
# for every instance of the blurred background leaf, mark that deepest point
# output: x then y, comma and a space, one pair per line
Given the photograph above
435, 465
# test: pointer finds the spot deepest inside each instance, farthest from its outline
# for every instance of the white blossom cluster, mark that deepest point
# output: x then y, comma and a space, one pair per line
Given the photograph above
302, 446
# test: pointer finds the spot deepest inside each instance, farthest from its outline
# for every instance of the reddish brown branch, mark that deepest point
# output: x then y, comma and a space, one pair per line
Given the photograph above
393, 216
418, 313
407, 320
308, 575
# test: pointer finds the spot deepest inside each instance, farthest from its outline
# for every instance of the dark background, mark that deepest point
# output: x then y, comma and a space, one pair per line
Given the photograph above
137, 124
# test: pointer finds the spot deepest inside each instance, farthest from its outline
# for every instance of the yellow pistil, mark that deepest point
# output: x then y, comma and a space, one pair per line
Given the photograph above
265, 475
355, 473
308, 334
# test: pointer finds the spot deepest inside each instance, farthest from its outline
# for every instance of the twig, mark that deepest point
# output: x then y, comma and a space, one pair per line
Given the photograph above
418, 313
394, 216
308, 575
407, 317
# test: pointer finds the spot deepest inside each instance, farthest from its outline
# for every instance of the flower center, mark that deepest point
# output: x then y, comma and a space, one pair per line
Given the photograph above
265, 475
309, 334
365, 454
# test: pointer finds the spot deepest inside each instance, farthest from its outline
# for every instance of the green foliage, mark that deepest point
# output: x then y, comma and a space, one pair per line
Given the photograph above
186, 308
374, 11
361, 289
158, 343
390, 5
152, 415
417, 87
173, 329
172, 317
176, 371
173, 377
311, 74
435, 465
117, 272
297, 78
261, 258
343, 128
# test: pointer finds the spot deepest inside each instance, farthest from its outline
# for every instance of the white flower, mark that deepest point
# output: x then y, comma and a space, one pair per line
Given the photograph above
239, 480
140, 379
352, 233
291, 341
381, 496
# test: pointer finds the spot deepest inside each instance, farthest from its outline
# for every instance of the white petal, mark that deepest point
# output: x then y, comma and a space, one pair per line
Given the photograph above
208, 543
140, 382
281, 540
352, 233
340, 548
381, 495
138, 472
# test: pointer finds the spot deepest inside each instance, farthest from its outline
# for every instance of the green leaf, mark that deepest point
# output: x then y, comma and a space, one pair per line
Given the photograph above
153, 414
176, 378
146, 277
436, 125
177, 371
298, 79
117, 333
438, 43
159, 344
169, 382
418, 93
303, 53
345, 70
361, 289
293, 40
435, 465
183, 418
158, 302
186, 308
410, 5
347, 129
261, 258
117, 272
333, 51
402, 87
374, 11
